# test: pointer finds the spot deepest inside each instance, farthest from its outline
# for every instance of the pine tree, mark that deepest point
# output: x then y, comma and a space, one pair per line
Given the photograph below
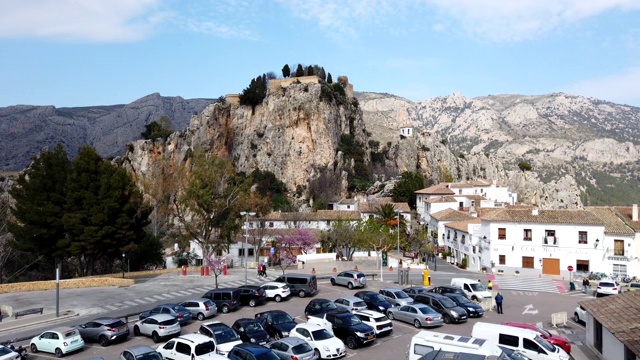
286, 71
329, 79
310, 70
299, 71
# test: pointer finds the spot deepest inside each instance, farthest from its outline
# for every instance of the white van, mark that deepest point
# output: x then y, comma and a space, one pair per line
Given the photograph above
473, 288
425, 342
527, 342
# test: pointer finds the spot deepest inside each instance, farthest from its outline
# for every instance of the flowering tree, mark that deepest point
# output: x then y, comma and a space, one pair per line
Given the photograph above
216, 264
287, 246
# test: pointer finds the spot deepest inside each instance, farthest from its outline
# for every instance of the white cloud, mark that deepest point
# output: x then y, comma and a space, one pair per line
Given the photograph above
79, 20
623, 88
235, 19
516, 20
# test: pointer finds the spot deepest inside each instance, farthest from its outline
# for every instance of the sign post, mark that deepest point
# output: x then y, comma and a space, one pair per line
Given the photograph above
570, 269
384, 259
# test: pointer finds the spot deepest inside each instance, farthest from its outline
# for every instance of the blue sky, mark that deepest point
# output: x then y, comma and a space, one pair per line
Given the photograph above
80, 53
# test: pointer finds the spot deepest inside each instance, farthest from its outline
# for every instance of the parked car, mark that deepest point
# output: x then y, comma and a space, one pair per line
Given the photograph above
6, 353
420, 315
251, 331
226, 299
513, 354
276, 290
277, 323
59, 341
189, 347
556, 340
347, 327
580, 315
634, 286
472, 308
447, 289
350, 278
325, 344
300, 284
223, 336
607, 287
200, 308
350, 303
450, 311
248, 351
378, 321
158, 327
292, 348
396, 297
319, 307
374, 301
252, 295
177, 311
413, 291
105, 330
140, 352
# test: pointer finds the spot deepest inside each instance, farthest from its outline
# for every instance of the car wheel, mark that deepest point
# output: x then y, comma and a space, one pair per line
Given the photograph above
390, 315
252, 302
446, 319
225, 309
155, 337
136, 331
350, 286
333, 282
302, 294
317, 353
474, 298
417, 324
576, 318
352, 343
59, 353
34, 348
200, 316
278, 298
104, 341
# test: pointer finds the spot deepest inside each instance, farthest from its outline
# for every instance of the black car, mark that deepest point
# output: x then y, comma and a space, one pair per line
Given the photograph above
446, 289
251, 331
374, 301
413, 291
252, 295
451, 312
350, 329
319, 307
277, 323
472, 308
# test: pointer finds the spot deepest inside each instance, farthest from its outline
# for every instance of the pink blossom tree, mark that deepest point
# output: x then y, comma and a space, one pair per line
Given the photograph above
287, 246
216, 265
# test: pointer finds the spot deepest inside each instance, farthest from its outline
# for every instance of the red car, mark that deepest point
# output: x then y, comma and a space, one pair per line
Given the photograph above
556, 340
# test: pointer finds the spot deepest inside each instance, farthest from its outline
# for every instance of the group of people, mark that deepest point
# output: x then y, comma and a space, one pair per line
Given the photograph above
262, 270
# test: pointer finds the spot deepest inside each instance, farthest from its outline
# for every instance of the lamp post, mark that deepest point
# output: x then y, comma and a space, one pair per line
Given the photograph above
399, 257
123, 265
435, 256
246, 215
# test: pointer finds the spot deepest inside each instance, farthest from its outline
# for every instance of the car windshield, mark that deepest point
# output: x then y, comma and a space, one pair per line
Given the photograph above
636, 286
425, 310
70, 334
328, 305
321, 335
269, 355
208, 303
361, 276
179, 308
149, 356
381, 319
168, 322
205, 348
545, 344
359, 304
606, 284
350, 320
4, 351
253, 326
544, 332
116, 324
301, 348
223, 336
377, 298
401, 294
477, 287
448, 303
281, 319
462, 300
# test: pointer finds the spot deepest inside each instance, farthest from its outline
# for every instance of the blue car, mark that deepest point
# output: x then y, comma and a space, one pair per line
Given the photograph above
178, 311
251, 331
374, 301
249, 351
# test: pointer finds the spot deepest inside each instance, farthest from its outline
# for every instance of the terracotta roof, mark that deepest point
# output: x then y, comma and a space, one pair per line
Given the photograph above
463, 225
273, 232
510, 215
475, 197
450, 215
626, 213
441, 199
372, 206
438, 189
612, 223
312, 216
347, 201
620, 315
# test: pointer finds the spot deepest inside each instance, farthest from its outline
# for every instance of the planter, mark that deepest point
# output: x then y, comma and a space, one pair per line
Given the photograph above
356, 268
493, 270
313, 271
390, 268
517, 273
335, 270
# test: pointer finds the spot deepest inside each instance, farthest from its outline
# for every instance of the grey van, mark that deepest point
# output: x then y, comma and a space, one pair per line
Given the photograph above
451, 312
300, 284
226, 299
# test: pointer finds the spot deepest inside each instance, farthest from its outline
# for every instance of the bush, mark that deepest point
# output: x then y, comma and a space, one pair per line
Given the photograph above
524, 166
463, 263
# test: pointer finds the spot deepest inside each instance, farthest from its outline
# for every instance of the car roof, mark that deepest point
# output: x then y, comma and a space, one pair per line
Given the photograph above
365, 292
254, 287
320, 300
161, 317
195, 337
291, 340
140, 349
275, 311
371, 313
198, 300
310, 326
215, 323
274, 283
106, 320
253, 348
62, 329
350, 298
520, 324
391, 289
433, 295
245, 320
223, 289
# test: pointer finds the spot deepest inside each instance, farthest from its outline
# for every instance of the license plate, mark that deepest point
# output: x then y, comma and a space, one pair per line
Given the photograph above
370, 337
74, 341
121, 329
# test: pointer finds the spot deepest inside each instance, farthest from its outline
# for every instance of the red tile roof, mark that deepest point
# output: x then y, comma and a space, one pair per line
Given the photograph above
626, 213
450, 215
441, 199
463, 225
510, 215
613, 224
439, 189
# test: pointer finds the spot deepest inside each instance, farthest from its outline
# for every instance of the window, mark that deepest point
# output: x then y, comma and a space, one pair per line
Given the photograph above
509, 340
270, 224
527, 235
582, 265
502, 260
597, 335
618, 247
528, 344
462, 240
582, 237
502, 233
527, 262
422, 349
620, 269
183, 348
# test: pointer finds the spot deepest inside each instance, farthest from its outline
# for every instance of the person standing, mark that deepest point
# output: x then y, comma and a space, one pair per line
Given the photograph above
259, 269
499, 299
585, 285
490, 285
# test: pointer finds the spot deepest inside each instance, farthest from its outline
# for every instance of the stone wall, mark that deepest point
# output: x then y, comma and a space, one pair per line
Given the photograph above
273, 83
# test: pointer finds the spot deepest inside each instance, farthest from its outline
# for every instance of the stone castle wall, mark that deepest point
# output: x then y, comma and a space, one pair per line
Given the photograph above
274, 84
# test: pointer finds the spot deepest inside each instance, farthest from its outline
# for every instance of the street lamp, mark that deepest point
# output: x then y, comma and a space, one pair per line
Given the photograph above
399, 257
246, 215
123, 265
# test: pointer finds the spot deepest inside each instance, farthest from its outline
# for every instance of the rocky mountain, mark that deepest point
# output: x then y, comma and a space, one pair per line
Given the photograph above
26, 129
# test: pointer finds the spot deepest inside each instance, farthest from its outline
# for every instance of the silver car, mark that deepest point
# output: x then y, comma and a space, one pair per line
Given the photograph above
350, 278
396, 297
292, 348
159, 326
140, 352
105, 330
350, 303
420, 315
200, 308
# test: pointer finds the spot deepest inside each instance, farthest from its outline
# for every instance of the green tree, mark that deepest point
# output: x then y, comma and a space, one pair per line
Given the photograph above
329, 79
310, 71
158, 129
405, 189
340, 238
268, 185
372, 235
286, 71
299, 71
255, 93
322, 74
524, 166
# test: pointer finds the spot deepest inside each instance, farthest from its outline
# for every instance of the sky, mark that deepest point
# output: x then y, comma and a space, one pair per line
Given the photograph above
82, 52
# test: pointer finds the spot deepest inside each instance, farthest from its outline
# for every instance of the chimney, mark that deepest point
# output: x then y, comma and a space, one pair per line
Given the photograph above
634, 213
534, 211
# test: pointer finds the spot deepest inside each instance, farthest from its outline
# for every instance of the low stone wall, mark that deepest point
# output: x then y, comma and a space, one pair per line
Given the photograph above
64, 284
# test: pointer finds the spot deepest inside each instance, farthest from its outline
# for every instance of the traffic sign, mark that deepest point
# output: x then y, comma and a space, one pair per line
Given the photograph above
570, 268
384, 258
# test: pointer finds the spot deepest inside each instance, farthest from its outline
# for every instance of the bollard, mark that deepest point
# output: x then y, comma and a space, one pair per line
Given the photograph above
206, 270
224, 270
184, 270
201, 270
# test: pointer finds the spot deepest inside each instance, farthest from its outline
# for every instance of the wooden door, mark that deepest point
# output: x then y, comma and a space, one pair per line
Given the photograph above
551, 266
527, 262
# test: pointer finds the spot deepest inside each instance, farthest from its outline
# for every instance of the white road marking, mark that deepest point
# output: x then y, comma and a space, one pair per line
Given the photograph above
158, 297
111, 307
131, 303
528, 309
141, 301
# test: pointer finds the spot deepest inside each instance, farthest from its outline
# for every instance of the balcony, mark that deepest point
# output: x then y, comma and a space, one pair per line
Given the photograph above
550, 241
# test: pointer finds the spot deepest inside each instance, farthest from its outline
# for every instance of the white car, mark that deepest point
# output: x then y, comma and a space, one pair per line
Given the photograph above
379, 322
8, 354
60, 341
579, 315
324, 344
607, 287
276, 290
158, 327
222, 335
189, 347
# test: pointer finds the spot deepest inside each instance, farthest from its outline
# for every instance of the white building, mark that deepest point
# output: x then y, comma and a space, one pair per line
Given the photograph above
406, 130
464, 241
620, 246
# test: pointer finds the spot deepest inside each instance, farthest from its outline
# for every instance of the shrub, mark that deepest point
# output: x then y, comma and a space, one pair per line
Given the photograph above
524, 166
463, 263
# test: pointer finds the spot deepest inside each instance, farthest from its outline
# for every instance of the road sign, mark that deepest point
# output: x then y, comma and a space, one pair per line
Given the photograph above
384, 258
570, 268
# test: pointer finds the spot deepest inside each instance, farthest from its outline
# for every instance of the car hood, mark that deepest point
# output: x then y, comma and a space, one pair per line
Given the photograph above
558, 339
286, 327
258, 334
361, 328
226, 347
384, 304
473, 306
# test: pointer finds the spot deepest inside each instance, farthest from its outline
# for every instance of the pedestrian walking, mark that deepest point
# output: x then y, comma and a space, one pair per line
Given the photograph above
490, 285
264, 270
499, 299
585, 285
259, 270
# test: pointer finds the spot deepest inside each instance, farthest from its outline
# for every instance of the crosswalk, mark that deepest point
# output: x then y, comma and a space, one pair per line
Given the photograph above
527, 284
